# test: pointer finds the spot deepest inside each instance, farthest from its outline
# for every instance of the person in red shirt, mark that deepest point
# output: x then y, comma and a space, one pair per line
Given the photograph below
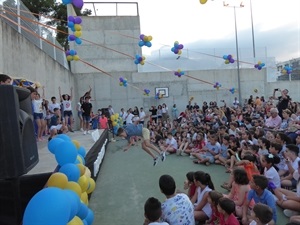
103, 122
226, 208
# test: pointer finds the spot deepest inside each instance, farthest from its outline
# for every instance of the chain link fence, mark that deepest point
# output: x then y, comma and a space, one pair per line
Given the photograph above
15, 11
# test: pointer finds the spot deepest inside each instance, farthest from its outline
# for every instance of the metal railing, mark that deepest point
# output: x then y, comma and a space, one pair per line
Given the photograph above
16, 10
112, 8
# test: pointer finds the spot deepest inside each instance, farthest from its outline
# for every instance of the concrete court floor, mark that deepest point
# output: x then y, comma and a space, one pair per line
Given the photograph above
127, 179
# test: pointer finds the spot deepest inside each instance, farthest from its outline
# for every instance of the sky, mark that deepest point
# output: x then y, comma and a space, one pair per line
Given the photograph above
276, 25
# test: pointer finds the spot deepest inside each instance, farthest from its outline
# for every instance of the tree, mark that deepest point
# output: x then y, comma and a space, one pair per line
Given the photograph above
57, 11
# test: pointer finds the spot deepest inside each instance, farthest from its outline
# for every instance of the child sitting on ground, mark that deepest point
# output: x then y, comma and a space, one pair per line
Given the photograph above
189, 184
213, 200
226, 207
170, 145
261, 214
152, 209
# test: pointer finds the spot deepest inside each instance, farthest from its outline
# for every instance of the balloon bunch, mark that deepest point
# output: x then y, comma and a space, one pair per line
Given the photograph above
179, 73
123, 81
177, 49
217, 85
259, 65
139, 59
64, 200
74, 25
146, 92
191, 98
158, 96
286, 70
255, 90
145, 41
228, 59
117, 122
232, 90
77, 3
72, 55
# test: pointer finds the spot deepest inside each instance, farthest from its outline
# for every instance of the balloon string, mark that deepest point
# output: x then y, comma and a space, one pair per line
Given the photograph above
49, 42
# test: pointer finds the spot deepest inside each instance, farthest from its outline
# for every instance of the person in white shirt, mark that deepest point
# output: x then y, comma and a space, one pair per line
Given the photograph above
129, 117
67, 107
170, 144
142, 115
235, 103
164, 111
53, 105
177, 208
38, 115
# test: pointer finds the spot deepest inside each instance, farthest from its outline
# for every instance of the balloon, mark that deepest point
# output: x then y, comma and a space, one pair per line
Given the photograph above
72, 37
202, 1
87, 172
81, 168
74, 202
77, 20
83, 211
71, 171
84, 183
77, 27
76, 57
69, 58
70, 24
91, 186
141, 43
49, 206
65, 2
59, 180
76, 221
84, 198
73, 186
64, 136
81, 159
76, 143
65, 152
90, 217
54, 142
78, 3
77, 33
82, 151
71, 18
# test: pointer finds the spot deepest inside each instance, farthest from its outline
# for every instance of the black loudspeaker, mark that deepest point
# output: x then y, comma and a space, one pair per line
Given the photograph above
18, 148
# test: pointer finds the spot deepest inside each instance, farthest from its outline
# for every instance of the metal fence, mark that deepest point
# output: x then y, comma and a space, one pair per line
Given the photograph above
15, 10
112, 8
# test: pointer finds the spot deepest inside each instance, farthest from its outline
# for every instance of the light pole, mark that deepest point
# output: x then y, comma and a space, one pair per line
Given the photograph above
253, 41
237, 49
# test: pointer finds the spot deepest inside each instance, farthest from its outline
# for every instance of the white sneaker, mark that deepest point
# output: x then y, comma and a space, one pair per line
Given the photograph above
192, 157
89, 132
81, 129
178, 152
84, 132
113, 140
290, 213
163, 156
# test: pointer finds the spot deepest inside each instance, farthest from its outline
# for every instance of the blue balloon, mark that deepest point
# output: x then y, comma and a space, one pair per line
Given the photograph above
72, 53
64, 136
49, 206
71, 171
136, 62
84, 222
148, 44
90, 217
82, 159
74, 201
53, 143
65, 2
225, 57
65, 152
83, 211
70, 24
78, 41
141, 43
82, 151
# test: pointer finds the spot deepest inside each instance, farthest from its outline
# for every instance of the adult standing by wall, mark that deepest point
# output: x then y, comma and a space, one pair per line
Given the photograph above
283, 100
86, 114
164, 111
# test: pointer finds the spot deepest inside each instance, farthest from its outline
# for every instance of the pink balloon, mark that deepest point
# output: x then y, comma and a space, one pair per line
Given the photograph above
78, 3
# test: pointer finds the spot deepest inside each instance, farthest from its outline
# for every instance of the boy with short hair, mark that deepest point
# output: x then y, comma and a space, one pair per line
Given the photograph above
5, 79
56, 125
152, 212
261, 214
170, 145
260, 194
226, 208
136, 129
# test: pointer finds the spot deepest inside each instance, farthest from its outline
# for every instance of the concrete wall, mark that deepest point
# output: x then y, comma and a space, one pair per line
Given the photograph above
20, 58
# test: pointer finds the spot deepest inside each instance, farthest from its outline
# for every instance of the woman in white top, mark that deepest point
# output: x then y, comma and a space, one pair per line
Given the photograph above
67, 108
38, 115
202, 210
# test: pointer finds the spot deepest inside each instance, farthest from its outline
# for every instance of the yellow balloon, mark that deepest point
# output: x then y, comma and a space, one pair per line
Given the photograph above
84, 198
73, 186
150, 38
76, 57
77, 33
179, 52
112, 117
75, 221
143, 57
79, 159
92, 186
143, 62
259, 62
87, 172
69, 58
59, 180
114, 123
116, 115
202, 1
82, 169
76, 143
83, 181
77, 27
176, 42
226, 61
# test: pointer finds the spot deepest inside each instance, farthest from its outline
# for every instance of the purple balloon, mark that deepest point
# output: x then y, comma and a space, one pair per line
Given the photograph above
71, 19
72, 37
78, 20
256, 66
67, 52
121, 79
229, 57
78, 3
176, 51
142, 36
180, 46
231, 60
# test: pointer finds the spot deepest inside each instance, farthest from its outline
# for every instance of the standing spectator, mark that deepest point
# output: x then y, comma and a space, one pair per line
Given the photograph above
111, 112
204, 107
250, 101
86, 114
38, 114
235, 103
153, 111
159, 113
79, 112
67, 106
142, 115
129, 117
283, 100
165, 114
174, 112
136, 111
177, 209
196, 106
189, 106
53, 105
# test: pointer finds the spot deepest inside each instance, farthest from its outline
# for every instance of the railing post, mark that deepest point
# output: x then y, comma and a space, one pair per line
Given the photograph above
19, 18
